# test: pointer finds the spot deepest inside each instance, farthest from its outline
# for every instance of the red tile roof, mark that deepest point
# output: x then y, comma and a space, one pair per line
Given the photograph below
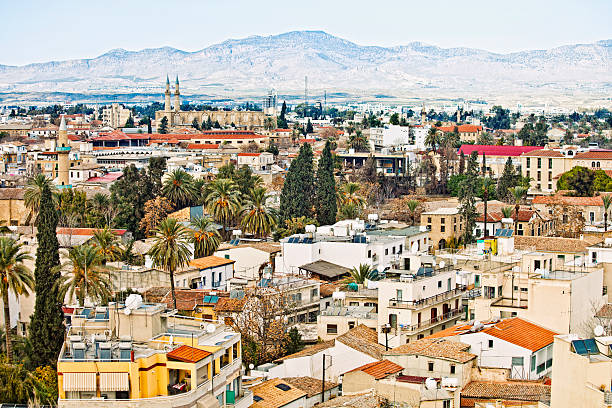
491, 150
568, 200
494, 216
379, 369
188, 354
522, 333
202, 146
85, 231
595, 154
306, 140
249, 154
460, 128
119, 135
107, 178
543, 153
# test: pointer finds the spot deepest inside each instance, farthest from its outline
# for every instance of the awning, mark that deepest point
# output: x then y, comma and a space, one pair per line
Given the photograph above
79, 381
114, 382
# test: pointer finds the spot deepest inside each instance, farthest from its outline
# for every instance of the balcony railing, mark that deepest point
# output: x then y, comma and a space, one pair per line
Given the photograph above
432, 300
432, 322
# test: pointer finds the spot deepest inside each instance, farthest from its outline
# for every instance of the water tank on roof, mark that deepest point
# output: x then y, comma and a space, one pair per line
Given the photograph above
431, 383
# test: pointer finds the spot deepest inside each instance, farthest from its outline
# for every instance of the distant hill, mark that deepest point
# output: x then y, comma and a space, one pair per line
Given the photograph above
252, 65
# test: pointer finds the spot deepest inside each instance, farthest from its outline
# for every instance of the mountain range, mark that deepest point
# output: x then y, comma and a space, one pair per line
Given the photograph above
249, 67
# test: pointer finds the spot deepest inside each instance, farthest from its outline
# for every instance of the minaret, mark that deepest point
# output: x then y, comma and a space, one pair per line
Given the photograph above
458, 115
167, 107
423, 115
63, 151
177, 94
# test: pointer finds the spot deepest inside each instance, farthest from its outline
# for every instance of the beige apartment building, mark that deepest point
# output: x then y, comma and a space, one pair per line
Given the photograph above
115, 115
444, 225
544, 168
582, 372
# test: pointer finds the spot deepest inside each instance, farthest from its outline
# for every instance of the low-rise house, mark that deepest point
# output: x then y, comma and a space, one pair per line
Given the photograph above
334, 321
444, 224
209, 272
70, 237
313, 388
277, 393
506, 394
250, 258
497, 156
256, 161
522, 347
13, 211
568, 207
366, 377
353, 349
582, 372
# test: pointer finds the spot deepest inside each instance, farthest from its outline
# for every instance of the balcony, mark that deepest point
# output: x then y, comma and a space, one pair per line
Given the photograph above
430, 301
453, 314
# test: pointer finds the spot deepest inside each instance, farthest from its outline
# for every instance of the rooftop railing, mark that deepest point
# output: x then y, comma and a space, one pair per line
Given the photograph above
432, 300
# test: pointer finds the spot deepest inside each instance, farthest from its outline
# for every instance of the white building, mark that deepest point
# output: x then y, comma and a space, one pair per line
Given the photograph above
209, 272
342, 244
115, 116
518, 345
256, 161
394, 135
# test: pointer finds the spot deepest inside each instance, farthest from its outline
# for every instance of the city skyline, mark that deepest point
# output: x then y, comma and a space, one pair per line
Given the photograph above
525, 26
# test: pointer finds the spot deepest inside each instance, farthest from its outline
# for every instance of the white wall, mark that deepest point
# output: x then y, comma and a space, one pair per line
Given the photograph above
248, 260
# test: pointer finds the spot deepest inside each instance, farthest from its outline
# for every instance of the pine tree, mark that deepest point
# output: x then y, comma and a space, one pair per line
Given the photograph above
326, 188
298, 190
149, 129
195, 124
163, 126
46, 324
461, 163
506, 181
309, 128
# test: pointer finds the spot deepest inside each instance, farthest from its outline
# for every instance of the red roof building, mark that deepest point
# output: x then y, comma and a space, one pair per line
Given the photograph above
492, 150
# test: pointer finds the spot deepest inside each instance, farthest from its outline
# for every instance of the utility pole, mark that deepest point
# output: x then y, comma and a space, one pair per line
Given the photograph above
323, 381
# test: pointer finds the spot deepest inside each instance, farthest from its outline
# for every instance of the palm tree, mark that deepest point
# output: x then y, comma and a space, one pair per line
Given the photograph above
205, 237
179, 188
170, 251
412, 207
223, 201
433, 138
87, 275
349, 195
33, 190
256, 217
607, 201
107, 244
358, 142
517, 193
363, 272
507, 212
348, 212
15, 277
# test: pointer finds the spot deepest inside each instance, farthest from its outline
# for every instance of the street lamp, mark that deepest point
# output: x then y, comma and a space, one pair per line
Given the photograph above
386, 328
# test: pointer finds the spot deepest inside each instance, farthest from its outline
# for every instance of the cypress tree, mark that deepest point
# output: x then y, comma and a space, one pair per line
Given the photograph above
506, 181
46, 325
326, 188
298, 190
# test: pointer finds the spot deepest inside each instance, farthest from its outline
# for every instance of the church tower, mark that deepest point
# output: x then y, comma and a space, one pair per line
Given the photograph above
423, 115
63, 151
458, 115
167, 107
177, 95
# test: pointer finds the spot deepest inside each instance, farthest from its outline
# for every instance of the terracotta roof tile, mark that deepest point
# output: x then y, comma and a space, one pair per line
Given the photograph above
202, 146
363, 339
268, 395
188, 354
494, 150
209, 262
543, 153
436, 348
311, 386
11, 193
522, 333
551, 244
605, 312
595, 154
510, 390
85, 231
230, 305
568, 200
380, 369
310, 350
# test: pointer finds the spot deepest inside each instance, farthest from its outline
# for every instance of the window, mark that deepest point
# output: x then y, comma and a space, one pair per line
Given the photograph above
539, 163
499, 290
452, 369
490, 343
592, 216
477, 281
594, 257
446, 404
517, 361
598, 165
539, 176
369, 253
528, 162
429, 220
401, 247
439, 284
332, 329
524, 290
393, 250
550, 163
393, 320
314, 293
442, 220
386, 251
528, 174
430, 366
398, 294
442, 228
351, 325
283, 387
533, 362
353, 303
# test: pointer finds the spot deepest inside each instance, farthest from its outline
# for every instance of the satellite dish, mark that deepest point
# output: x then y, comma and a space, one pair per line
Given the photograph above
442, 264
210, 328
431, 384
251, 366
599, 330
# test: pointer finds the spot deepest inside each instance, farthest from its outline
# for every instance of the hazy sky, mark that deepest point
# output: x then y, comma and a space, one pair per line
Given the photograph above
43, 30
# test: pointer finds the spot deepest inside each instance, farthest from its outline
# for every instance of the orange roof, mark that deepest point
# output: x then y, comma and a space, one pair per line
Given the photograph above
210, 262
568, 200
543, 153
595, 154
515, 330
380, 369
306, 140
188, 354
202, 146
460, 128
282, 130
227, 304
85, 231
249, 154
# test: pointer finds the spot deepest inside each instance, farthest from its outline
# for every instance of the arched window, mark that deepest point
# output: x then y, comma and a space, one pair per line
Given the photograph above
592, 164
598, 164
